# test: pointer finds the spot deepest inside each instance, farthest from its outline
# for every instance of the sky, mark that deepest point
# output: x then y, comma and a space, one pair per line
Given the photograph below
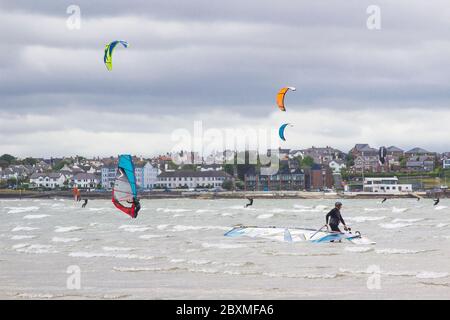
220, 64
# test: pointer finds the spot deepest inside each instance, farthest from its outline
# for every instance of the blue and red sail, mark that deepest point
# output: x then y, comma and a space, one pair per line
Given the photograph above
124, 194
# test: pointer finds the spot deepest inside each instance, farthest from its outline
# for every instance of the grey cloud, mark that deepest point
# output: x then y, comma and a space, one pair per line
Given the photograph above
191, 59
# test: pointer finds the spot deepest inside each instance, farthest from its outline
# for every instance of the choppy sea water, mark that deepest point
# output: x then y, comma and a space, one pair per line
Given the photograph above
176, 250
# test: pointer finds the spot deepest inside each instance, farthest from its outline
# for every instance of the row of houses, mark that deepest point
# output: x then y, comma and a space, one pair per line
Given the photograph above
54, 180
366, 159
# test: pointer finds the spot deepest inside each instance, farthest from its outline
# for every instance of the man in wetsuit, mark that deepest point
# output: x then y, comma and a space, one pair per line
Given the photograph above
137, 206
334, 217
436, 201
250, 203
85, 203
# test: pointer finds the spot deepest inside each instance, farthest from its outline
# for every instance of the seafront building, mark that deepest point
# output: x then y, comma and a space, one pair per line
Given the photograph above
192, 179
86, 180
385, 185
108, 177
285, 179
50, 180
146, 176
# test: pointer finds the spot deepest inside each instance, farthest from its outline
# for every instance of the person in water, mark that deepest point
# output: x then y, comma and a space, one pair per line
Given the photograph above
137, 206
384, 200
85, 203
334, 218
436, 202
250, 203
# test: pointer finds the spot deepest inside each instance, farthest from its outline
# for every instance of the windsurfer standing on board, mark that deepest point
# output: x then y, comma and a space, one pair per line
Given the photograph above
334, 217
137, 206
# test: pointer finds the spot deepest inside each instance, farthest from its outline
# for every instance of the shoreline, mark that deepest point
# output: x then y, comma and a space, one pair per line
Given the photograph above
16, 194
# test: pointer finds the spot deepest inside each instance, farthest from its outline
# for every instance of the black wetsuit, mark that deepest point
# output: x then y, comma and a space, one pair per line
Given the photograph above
250, 203
137, 207
85, 203
436, 202
333, 218
384, 200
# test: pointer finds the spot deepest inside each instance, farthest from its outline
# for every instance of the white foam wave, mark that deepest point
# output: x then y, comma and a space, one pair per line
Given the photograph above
132, 228
172, 210
299, 206
67, 229
399, 210
108, 255
394, 225
358, 249
199, 262
21, 209
22, 237
375, 209
431, 275
65, 240
407, 220
35, 295
364, 218
205, 211
265, 216
303, 276
36, 216
151, 236
36, 248
23, 229
146, 269
222, 245
398, 251
117, 249
178, 228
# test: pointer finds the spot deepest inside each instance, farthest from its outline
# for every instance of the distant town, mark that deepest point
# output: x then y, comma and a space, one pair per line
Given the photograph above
325, 169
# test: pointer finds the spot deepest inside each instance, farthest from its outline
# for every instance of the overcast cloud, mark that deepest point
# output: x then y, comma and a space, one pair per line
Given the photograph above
222, 63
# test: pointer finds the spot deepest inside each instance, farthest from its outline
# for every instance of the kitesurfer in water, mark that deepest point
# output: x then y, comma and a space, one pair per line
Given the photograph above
250, 202
384, 200
85, 203
334, 218
436, 202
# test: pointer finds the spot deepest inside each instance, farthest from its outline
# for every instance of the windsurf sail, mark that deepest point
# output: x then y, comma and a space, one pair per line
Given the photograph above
76, 194
124, 194
294, 234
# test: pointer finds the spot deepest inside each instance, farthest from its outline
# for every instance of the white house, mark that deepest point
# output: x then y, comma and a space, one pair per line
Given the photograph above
150, 176
50, 180
337, 165
192, 179
385, 185
86, 180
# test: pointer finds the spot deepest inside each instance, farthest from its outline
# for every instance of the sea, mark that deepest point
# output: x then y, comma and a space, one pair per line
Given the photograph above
176, 249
